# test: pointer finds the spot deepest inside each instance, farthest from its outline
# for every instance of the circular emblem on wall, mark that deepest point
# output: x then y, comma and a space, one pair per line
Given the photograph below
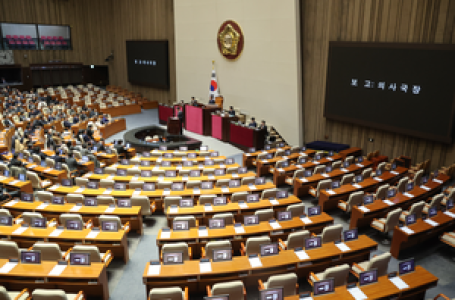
230, 40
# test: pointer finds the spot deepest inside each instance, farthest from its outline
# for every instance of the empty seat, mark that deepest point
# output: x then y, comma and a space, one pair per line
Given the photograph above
164, 185
295, 240
107, 183
215, 245
95, 254
28, 216
239, 196
286, 281
105, 200
264, 214
70, 217
355, 199
253, 245
227, 217
319, 169
381, 192
338, 273
222, 182
168, 293
191, 220
367, 173
297, 174
435, 202
192, 184
322, 185
248, 180
234, 289
49, 251
12, 295
387, 224
9, 249
82, 182
416, 209
346, 179
269, 193
75, 198
349, 159
136, 184
177, 247
144, 203
43, 196
296, 209
43, 294
206, 199
401, 186
332, 233
380, 262
171, 200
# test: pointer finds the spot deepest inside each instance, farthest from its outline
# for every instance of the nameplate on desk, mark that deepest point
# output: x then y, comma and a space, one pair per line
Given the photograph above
179, 168
79, 190
20, 230
325, 175
357, 186
378, 179
225, 190
48, 170
56, 232
107, 192
32, 166
222, 166
399, 283
203, 232
93, 234
316, 163
425, 188
302, 255
299, 167
359, 165
6, 268
343, 247
165, 193
388, 202
255, 262
211, 177
57, 270
154, 270
331, 192
109, 209
274, 201
11, 203
394, 172
306, 220
13, 182
110, 177
303, 179
235, 175
76, 208
155, 168
450, 214
137, 193
205, 267
281, 170
329, 158
408, 195
114, 166
363, 208
438, 181
407, 230
357, 293
42, 206
344, 170
431, 222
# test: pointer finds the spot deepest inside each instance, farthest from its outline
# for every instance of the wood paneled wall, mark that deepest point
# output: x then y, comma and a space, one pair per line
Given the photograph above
99, 27
407, 21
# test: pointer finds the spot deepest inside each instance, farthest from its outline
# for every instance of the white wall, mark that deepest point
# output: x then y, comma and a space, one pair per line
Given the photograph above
264, 80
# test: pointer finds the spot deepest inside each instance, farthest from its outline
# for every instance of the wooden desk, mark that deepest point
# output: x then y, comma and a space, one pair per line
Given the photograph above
280, 174
112, 128
188, 273
179, 160
195, 241
131, 214
158, 195
92, 280
301, 187
174, 126
422, 232
263, 165
12, 183
248, 158
221, 126
419, 281
246, 137
179, 151
115, 241
379, 209
329, 201
176, 168
122, 110
164, 112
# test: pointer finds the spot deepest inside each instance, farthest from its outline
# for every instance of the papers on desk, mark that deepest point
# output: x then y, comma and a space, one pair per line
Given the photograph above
196, 191
93, 234
14, 182
431, 222
438, 181
109, 209
325, 175
306, 220
179, 168
75, 208
275, 225
137, 193
203, 232
407, 230
154, 270
252, 187
205, 267
264, 160
274, 201
363, 208
285, 157
344, 170
394, 172
57, 270
155, 168
329, 158
388, 202
255, 262
7, 267
303, 179
357, 293
239, 229
357, 186
425, 188
48, 170
211, 177
222, 166
450, 214
11, 203
56, 232
301, 254
208, 208
359, 165
225, 190
159, 159
281, 170
54, 187
20, 230
201, 167
378, 179
343, 247
165, 193
165, 235
114, 165
298, 166
399, 283
42, 206
235, 175
173, 210
79, 190
107, 192
316, 163
110, 177
243, 205
408, 195
331, 192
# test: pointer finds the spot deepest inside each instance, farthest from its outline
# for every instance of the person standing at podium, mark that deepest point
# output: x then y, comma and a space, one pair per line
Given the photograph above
180, 116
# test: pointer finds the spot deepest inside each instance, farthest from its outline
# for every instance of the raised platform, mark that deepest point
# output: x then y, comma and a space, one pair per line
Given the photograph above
136, 138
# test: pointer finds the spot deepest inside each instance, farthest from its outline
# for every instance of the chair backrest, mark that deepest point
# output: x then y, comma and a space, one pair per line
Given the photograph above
392, 219
339, 273
222, 182
355, 199
170, 293
381, 192
95, 255
4, 212
381, 166
69, 217
110, 218
366, 173
417, 209
297, 174
143, 202
43, 196
105, 200
239, 196
50, 162
208, 171
349, 159
380, 262
49, 251
45, 294
336, 164
9, 249
279, 152
136, 184
228, 218
203, 199
107, 183
269, 193
191, 220
133, 171
233, 288
322, 185
75, 198
81, 181
296, 209
171, 247
436, 200
171, 200
319, 169
332, 233
210, 246
348, 178
110, 170
253, 244
264, 214
297, 239
231, 170
280, 162
27, 216
418, 177
158, 172
34, 178
286, 281
161, 185
4, 294
191, 184
401, 186
248, 180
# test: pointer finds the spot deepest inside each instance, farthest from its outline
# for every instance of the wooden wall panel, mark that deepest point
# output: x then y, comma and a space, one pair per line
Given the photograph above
97, 28
407, 21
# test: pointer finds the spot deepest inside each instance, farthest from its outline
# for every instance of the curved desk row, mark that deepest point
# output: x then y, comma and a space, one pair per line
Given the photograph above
249, 158
263, 165
177, 168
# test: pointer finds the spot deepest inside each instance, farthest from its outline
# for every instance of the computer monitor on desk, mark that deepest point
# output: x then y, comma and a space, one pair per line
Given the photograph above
271, 294
30, 257
222, 254
323, 287
218, 297
172, 258
368, 277
79, 259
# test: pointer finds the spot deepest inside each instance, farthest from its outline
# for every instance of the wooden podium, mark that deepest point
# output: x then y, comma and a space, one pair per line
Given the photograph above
174, 125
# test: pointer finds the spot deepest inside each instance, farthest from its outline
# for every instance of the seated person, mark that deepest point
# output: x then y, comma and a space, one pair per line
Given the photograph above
100, 145
231, 111
212, 100
253, 123
15, 161
193, 102
90, 131
104, 120
121, 150
67, 124
75, 119
263, 126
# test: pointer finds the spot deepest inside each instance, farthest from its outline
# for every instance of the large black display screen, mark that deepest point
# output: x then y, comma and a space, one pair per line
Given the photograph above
404, 88
148, 63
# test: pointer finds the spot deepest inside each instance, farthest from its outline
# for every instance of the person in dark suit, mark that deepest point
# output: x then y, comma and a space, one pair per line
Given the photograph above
231, 111
180, 116
71, 162
90, 131
193, 102
263, 126
253, 123
86, 137
212, 100
37, 151
121, 150
15, 161
67, 124
104, 120
75, 120
57, 158
100, 146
